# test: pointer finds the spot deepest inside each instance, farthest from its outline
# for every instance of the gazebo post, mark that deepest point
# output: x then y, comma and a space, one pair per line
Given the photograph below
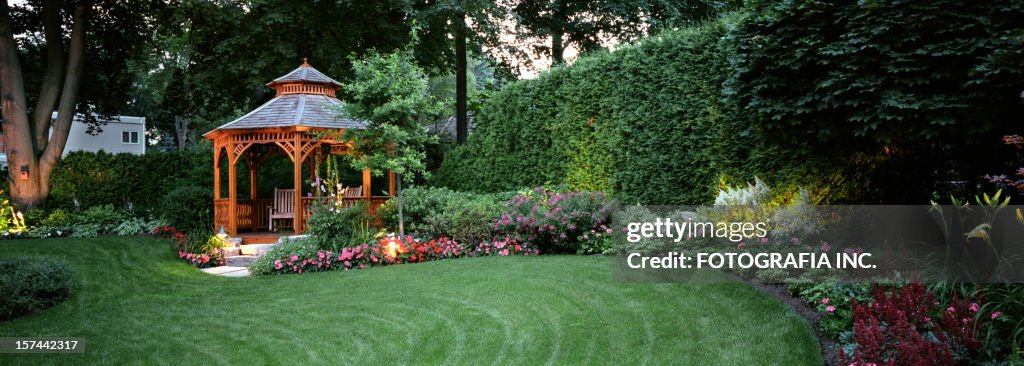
250, 160
232, 192
391, 184
366, 185
300, 211
216, 172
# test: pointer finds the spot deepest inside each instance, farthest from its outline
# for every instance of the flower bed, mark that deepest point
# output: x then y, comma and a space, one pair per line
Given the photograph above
198, 256
388, 251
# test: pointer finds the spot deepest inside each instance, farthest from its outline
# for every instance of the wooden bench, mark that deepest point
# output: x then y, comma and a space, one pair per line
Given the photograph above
283, 205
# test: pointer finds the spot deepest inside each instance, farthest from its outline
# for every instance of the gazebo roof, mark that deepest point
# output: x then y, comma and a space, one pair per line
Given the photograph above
305, 97
305, 73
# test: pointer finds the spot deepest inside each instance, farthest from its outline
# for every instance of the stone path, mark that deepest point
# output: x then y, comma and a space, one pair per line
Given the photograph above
227, 271
238, 256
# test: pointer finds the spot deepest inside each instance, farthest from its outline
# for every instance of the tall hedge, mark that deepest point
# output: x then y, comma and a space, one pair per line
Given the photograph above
646, 123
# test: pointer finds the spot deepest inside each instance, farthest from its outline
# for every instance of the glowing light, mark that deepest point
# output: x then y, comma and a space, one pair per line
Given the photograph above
393, 248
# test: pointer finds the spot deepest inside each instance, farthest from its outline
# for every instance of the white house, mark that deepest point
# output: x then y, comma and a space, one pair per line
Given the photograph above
123, 134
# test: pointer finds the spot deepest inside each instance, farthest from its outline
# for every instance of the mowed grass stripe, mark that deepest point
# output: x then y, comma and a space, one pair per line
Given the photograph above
137, 303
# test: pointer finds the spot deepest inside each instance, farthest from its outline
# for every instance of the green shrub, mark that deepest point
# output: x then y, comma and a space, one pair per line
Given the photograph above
96, 220
417, 204
331, 227
133, 226
57, 218
436, 212
188, 208
29, 285
465, 221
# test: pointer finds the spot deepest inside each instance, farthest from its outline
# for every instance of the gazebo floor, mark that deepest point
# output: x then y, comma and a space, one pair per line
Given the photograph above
259, 237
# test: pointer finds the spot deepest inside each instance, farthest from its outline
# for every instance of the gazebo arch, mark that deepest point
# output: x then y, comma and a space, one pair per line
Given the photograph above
305, 102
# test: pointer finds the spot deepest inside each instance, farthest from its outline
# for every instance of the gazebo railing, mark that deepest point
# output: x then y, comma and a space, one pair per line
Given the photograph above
253, 215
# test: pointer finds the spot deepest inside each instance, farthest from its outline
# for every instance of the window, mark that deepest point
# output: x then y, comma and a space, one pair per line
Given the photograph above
129, 137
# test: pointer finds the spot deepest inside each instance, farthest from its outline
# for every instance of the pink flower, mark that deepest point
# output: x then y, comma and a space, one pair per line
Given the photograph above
295, 257
950, 309
965, 320
974, 307
277, 264
362, 266
764, 239
830, 308
348, 264
824, 247
824, 301
996, 314
741, 246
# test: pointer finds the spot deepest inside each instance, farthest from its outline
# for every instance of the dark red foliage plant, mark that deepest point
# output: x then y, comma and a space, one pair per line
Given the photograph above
908, 326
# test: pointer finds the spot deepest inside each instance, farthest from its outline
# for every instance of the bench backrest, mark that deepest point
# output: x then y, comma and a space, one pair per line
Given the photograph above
356, 191
284, 200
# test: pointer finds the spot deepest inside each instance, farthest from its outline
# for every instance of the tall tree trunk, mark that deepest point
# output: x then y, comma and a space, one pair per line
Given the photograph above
21, 158
181, 131
461, 89
30, 158
557, 49
558, 26
401, 219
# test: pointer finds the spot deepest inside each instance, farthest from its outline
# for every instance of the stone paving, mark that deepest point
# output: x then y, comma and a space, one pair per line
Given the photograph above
238, 256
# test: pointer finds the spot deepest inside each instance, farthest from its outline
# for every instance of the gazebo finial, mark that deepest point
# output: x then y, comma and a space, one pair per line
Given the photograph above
305, 62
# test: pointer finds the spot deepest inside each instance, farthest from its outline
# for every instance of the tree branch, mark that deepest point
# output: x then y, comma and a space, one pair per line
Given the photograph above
50, 88
69, 96
12, 90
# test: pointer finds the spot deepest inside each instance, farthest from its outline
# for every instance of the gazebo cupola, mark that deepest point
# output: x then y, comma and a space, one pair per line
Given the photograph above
305, 80
305, 101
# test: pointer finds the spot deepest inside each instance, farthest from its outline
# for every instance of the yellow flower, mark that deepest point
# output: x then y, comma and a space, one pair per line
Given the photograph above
981, 231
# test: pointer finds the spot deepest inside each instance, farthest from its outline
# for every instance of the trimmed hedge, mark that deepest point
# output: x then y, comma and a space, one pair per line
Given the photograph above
620, 122
101, 178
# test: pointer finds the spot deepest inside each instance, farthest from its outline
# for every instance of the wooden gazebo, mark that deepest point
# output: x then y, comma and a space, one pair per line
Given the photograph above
305, 102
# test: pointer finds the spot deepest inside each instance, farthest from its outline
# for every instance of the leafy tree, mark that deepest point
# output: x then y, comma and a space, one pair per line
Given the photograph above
471, 24
391, 93
75, 67
589, 24
224, 51
924, 87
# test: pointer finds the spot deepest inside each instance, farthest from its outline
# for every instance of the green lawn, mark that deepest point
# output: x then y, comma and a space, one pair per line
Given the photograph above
137, 303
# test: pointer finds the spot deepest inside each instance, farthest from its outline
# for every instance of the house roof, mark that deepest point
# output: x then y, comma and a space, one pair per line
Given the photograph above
309, 108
